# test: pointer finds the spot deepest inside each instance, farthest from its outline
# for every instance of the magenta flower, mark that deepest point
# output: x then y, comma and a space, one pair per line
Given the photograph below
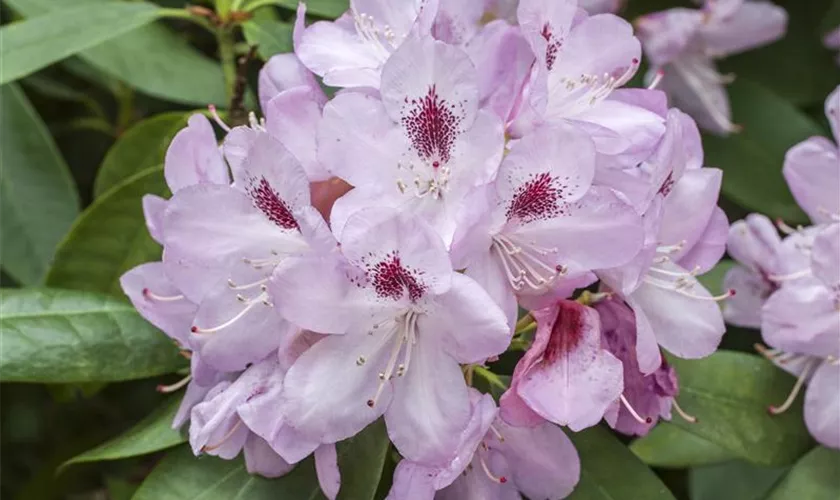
495, 461
402, 321
351, 51
683, 44
542, 224
425, 143
646, 397
812, 169
567, 376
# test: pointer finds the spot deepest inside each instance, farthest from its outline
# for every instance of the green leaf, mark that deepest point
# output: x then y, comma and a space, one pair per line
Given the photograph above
270, 37
713, 280
666, 445
152, 59
610, 471
815, 477
181, 476
752, 159
729, 393
38, 199
65, 336
109, 238
142, 146
153, 433
38, 42
325, 8
734, 480
798, 67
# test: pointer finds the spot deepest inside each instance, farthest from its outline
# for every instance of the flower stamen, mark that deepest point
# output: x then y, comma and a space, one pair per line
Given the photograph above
633, 412
800, 381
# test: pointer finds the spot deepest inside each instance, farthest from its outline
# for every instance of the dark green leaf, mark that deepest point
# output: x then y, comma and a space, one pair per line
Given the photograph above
324, 8
67, 336
815, 477
270, 37
38, 201
610, 471
181, 476
734, 480
729, 393
752, 159
153, 433
669, 446
40, 41
109, 238
151, 59
798, 67
141, 147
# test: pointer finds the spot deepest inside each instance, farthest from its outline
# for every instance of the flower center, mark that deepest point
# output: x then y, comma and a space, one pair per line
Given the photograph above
527, 265
392, 280
586, 90
382, 40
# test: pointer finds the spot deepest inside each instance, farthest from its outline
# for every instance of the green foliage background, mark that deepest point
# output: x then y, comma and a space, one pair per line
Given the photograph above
92, 92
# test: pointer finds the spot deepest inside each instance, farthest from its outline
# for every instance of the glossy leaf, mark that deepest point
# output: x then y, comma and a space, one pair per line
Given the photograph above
38, 199
270, 37
752, 159
65, 336
181, 476
729, 393
330, 9
152, 59
667, 445
734, 480
153, 433
141, 147
109, 238
610, 471
40, 41
815, 477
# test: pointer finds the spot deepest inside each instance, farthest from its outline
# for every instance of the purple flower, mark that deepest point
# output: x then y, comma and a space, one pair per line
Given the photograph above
495, 460
812, 169
646, 397
351, 51
683, 44
424, 145
402, 320
542, 225
566, 376
685, 237
581, 60
801, 321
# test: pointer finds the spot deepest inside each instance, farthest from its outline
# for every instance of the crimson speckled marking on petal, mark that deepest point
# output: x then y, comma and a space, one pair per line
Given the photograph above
567, 332
554, 44
538, 198
269, 202
432, 125
391, 279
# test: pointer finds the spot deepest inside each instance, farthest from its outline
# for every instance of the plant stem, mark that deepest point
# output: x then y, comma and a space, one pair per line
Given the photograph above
227, 53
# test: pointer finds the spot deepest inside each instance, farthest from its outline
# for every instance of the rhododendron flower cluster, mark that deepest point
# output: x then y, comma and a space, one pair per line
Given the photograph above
365, 256
791, 284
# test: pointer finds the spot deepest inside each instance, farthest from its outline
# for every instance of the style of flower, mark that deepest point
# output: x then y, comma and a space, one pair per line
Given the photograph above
401, 322
422, 146
351, 51
683, 45
495, 460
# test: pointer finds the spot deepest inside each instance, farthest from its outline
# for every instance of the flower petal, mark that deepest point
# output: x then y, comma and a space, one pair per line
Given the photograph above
293, 117
430, 407
261, 459
812, 171
802, 318
284, 72
193, 157
825, 256
667, 34
822, 405
752, 25
711, 245
153, 209
326, 467
751, 290
145, 285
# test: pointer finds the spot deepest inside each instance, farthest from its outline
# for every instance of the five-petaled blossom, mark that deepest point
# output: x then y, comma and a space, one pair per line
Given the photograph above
684, 43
